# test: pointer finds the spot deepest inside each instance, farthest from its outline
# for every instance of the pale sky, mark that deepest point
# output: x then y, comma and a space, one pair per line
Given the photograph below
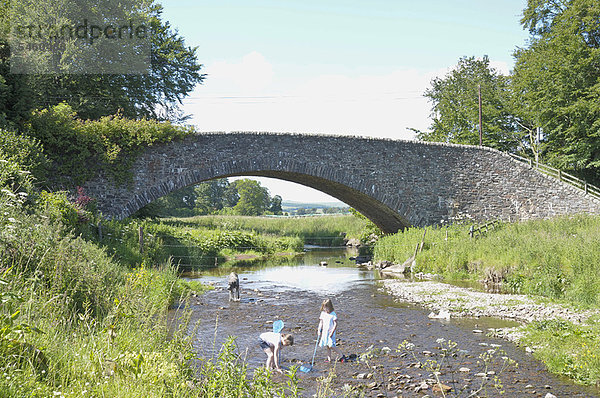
353, 67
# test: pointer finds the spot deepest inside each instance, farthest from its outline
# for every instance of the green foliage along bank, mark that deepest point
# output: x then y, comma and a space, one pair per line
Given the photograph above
311, 230
79, 149
77, 322
555, 258
189, 245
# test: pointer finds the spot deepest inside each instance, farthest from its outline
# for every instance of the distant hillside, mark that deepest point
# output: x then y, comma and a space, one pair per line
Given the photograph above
308, 205
294, 207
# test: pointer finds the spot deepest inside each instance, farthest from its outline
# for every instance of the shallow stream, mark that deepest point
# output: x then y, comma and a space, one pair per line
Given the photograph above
293, 289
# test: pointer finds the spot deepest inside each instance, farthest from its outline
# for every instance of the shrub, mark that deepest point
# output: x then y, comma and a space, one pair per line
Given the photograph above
78, 149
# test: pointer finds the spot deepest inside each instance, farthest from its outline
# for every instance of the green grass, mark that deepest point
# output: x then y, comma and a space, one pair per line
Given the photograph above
78, 322
324, 231
567, 349
555, 260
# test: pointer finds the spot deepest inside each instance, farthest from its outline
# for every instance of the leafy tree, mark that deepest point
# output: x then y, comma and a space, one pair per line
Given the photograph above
231, 196
254, 199
210, 196
557, 80
276, 205
455, 109
173, 73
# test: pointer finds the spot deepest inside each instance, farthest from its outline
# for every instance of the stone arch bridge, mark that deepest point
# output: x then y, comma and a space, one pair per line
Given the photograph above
394, 183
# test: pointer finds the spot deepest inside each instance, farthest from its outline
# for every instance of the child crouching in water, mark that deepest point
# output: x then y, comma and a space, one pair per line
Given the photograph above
271, 343
326, 331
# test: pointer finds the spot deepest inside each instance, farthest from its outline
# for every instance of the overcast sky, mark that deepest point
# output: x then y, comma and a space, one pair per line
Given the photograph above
330, 66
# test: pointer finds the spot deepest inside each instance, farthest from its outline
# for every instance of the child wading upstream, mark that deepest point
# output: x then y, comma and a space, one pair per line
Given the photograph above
271, 343
326, 331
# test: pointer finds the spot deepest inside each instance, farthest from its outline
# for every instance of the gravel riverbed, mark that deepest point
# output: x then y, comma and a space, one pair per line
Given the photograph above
467, 302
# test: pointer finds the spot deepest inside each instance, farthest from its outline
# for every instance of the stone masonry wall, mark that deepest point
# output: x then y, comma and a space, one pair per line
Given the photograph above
394, 183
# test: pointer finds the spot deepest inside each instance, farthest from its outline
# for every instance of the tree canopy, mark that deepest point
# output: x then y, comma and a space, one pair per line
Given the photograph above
173, 72
242, 197
455, 106
557, 78
549, 106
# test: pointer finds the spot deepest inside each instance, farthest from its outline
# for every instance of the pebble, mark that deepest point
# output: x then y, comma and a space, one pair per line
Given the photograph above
464, 370
548, 395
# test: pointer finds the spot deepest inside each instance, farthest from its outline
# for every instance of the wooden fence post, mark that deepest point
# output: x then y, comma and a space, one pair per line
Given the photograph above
141, 234
559, 175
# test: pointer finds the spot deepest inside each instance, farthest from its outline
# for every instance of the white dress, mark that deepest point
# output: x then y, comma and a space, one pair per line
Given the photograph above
328, 322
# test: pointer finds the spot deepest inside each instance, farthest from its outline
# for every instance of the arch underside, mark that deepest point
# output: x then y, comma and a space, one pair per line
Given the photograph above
388, 220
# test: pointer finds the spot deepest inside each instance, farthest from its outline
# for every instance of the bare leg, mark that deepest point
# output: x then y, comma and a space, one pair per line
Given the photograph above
270, 358
329, 353
338, 352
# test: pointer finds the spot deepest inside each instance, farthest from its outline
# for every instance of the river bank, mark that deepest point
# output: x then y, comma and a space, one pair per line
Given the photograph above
467, 302
552, 265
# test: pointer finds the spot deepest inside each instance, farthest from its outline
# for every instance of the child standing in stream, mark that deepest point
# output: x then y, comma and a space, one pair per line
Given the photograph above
326, 330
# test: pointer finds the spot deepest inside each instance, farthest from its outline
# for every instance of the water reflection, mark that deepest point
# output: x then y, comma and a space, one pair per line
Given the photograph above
303, 273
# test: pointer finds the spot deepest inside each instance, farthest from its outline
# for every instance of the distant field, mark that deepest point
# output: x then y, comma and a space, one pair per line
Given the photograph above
326, 231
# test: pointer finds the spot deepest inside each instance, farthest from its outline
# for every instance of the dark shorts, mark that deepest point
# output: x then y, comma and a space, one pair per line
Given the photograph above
233, 285
263, 344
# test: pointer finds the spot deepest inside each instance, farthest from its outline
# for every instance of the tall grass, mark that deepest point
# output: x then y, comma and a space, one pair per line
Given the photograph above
185, 244
325, 231
555, 258
76, 323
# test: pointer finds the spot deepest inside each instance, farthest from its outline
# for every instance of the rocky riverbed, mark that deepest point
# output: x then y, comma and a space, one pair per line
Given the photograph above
375, 318
442, 298
462, 302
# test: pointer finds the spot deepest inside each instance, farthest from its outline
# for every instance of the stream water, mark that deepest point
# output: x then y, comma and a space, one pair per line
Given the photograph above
293, 289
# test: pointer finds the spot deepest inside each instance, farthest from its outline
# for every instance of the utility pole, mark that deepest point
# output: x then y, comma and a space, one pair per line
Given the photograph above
480, 127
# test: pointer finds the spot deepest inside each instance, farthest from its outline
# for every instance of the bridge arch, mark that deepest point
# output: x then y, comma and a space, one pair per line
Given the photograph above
394, 183
324, 179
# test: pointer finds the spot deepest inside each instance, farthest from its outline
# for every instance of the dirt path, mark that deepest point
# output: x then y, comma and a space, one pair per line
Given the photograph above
370, 317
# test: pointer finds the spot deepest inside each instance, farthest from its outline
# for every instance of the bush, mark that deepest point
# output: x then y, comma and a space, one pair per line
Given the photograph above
78, 149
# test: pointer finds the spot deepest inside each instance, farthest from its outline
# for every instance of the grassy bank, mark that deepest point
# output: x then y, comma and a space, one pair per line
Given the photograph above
206, 240
74, 322
83, 317
187, 245
556, 260
324, 231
